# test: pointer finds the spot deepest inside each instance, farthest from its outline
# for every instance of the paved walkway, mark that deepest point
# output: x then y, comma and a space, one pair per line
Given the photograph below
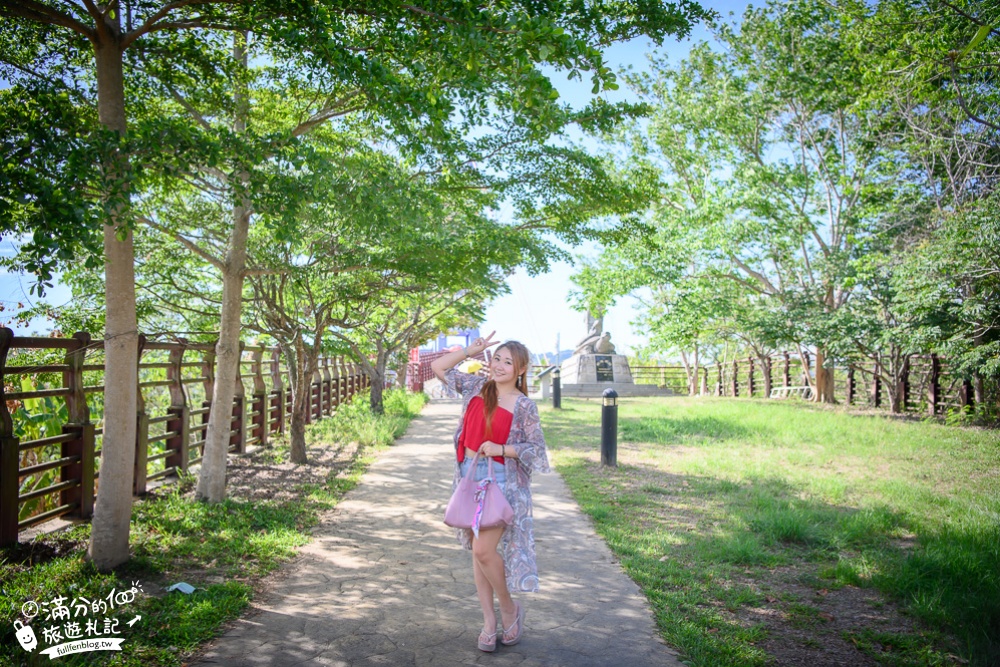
385, 583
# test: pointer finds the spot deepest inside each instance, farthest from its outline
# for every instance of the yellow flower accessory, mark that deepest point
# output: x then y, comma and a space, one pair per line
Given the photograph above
470, 366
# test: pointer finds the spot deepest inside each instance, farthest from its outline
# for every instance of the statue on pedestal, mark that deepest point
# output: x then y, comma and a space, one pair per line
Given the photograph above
597, 341
604, 344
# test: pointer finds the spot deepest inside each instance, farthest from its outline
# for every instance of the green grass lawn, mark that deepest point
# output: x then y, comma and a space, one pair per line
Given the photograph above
224, 549
753, 526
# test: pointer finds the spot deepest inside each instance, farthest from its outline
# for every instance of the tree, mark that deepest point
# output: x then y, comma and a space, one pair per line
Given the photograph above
936, 90
57, 35
405, 322
772, 181
414, 64
370, 242
411, 69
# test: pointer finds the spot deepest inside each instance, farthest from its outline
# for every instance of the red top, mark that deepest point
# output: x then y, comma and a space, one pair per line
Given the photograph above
474, 430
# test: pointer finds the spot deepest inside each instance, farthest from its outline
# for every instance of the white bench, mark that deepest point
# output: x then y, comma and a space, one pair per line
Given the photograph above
804, 392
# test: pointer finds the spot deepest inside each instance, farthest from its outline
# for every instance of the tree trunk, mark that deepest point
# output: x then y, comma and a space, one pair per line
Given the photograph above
376, 374
892, 383
694, 380
824, 379
765, 367
301, 404
305, 362
301, 392
212, 478
687, 371
297, 430
113, 510
978, 385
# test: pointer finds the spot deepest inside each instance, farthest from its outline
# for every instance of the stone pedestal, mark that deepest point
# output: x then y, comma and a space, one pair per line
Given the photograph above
596, 368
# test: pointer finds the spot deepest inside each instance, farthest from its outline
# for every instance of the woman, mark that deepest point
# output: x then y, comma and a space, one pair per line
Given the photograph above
500, 421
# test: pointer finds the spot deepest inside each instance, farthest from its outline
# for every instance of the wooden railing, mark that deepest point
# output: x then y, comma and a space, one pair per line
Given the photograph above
56, 474
927, 385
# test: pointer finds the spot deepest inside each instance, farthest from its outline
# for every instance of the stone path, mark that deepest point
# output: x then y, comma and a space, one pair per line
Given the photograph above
385, 583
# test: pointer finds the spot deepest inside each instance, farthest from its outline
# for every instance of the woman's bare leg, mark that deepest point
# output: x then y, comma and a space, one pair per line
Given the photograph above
485, 592
490, 564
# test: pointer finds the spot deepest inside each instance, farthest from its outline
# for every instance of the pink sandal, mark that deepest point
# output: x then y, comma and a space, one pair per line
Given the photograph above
491, 644
519, 622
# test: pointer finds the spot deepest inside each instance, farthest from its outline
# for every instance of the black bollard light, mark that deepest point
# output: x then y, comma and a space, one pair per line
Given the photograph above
609, 429
556, 389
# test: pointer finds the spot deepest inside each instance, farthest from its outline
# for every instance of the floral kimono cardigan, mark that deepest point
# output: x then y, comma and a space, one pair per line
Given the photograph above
517, 546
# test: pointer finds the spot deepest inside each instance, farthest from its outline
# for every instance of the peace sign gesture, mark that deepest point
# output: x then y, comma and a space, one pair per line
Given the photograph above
481, 344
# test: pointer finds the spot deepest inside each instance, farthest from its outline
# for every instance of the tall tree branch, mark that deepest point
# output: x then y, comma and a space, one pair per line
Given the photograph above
184, 241
961, 99
36, 11
150, 23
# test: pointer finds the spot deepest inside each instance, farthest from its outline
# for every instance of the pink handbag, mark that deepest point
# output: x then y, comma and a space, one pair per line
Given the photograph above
476, 505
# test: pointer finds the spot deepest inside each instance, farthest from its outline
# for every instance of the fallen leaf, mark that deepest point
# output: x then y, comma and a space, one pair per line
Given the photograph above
825, 616
823, 592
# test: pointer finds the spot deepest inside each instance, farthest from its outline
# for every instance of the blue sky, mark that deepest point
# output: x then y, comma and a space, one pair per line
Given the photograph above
537, 309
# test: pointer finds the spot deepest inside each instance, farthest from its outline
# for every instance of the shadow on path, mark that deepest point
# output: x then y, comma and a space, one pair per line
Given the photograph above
384, 582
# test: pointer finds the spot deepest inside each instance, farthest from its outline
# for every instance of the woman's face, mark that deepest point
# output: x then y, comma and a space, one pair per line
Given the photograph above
502, 367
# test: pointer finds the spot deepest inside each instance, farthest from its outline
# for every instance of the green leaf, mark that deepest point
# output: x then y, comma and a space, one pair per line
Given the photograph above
981, 34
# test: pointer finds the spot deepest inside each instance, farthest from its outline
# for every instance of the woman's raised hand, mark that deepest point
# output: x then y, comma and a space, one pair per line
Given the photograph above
481, 344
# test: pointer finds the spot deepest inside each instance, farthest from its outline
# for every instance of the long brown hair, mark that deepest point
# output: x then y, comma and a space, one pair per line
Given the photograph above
519, 354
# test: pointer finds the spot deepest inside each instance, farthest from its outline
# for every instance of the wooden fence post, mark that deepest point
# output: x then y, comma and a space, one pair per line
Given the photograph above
238, 440
288, 395
276, 412
751, 380
326, 404
851, 385
934, 386
139, 476
735, 380
208, 380
335, 375
10, 459
259, 403
718, 382
876, 387
316, 394
179, 411
903, 395
345, 381
966, 394
768, 379
786, 380
81, 447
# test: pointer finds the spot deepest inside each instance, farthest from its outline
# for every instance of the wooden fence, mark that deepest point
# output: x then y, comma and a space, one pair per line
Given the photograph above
928, 386
53, 474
